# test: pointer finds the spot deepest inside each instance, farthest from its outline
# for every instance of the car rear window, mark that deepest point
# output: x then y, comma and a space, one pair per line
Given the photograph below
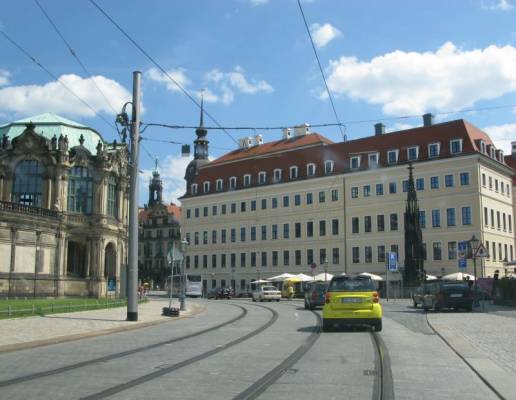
269, 288
455, 286
351, 285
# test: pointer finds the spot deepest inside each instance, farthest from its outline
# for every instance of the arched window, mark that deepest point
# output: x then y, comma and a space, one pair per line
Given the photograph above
28, 183
112, 200
80, 190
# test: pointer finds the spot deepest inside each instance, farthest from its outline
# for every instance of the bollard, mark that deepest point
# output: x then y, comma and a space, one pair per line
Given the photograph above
33, 309
52, 307
9, 311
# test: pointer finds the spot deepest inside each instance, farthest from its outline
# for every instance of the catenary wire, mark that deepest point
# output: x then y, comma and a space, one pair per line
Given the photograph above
322, 73
151, 59
54, 77
179, 143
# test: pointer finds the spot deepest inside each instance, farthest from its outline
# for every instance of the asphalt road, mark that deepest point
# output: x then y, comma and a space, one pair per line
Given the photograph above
242, 350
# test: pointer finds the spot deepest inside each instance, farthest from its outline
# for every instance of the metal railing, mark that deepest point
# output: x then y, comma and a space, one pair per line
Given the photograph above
25, 209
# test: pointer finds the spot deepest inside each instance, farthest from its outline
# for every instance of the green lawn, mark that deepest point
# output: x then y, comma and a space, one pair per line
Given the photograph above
13, 308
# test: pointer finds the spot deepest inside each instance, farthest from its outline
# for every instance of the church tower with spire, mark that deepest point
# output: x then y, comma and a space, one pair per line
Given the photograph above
155, 188
200, 150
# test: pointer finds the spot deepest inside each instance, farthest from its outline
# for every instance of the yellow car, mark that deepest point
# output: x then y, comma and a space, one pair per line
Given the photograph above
352, 301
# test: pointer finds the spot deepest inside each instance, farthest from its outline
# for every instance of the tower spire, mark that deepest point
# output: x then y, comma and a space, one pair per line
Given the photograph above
201, 123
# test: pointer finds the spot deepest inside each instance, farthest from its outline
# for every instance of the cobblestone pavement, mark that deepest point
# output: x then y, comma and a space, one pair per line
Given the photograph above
36, 330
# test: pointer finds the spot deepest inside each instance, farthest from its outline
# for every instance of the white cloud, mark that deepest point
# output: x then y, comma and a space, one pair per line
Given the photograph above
172, 172
177, 74
53, 97
501, 5
502, 136
4, 77
411, 82
258, 2
323, 34
227, 83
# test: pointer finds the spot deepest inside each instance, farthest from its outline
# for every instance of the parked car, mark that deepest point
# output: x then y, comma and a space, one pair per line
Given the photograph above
266, 293
454, 295
425, 294
224, 293
315, 295
352, 301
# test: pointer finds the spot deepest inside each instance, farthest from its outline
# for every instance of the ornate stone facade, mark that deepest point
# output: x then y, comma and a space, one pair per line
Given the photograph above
63, 209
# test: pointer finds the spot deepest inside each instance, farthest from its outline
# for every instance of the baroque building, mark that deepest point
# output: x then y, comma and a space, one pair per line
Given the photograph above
63, 209
304, 201
159, 233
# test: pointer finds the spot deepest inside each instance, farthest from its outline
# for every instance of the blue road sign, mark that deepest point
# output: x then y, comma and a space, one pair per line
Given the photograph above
111, 285
393, 261
463, 246
463, 263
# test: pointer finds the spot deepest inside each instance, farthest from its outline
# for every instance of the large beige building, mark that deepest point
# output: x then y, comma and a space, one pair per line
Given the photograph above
63, 209
287, 205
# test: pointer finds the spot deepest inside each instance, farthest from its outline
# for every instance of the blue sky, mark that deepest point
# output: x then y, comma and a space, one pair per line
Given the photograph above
254, 60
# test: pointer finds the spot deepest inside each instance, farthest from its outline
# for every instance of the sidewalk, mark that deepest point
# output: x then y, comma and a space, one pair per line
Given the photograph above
486, 341
24, 333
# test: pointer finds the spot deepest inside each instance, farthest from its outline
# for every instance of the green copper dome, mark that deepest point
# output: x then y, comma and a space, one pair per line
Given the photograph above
48, 125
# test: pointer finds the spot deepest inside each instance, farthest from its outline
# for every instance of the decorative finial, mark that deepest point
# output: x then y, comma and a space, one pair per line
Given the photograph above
81, 139
201, 124
156, 164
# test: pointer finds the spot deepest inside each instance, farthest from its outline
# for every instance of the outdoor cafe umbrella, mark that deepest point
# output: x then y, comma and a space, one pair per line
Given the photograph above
280, 278
458, 276
323, 276
261, 281
431, 277
304, 277
293, 279
372, 276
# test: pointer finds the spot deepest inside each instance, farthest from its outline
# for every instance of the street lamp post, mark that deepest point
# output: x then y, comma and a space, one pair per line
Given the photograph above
473, 242
182, 299
325, 265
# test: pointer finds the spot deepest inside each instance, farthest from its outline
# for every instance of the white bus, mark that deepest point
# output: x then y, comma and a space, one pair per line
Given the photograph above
193, 285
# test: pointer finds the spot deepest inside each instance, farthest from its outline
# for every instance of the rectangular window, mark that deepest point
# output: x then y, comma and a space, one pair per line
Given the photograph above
285, 201
464, 178
196, 261
242, 206
297, 228
253, 205
309, 229
466, 216
392, 156
214, 210
253, 259
253, 233
381, 254
433, 150
219, 185
380, 223
187, 262
355, 228
286, 257
490, 183
264, 258
322, 256
264, 232
498, 219
492, 219
334, 195
356, 255
223, 261
196, 238
223, 236
205, 211
232, 259
379, 189
214, 261
420, 184
233, 235
196, 212
247, 180
233, 208
456, 146
422, 219
223, 209
298, 257
486, 216
449, 180
275, 258
436, 218
262, 178
188, 213
242, 259
297, 200
242, 284
450, 216
434, 182
322, 228
335, 255
367, 223
242, 234
274, 202
214, 237
309, 198
367, 190
286, 231
437, 251
322, 197
355, 162
373, 160
335, 226
394, 222
394, 249
484, 180
412, 153
264, 204
452, 250
354, 192
392, 187
368, 254
274, 232
404, 184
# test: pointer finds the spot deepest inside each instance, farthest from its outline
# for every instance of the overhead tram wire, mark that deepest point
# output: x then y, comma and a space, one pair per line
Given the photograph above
74, 54
322, 73
181, 88
54, 77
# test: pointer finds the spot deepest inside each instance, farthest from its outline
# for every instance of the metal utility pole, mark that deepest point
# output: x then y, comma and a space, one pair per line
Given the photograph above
132, 273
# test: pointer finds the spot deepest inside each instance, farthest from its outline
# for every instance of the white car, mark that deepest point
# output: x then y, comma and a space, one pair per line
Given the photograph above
266, 293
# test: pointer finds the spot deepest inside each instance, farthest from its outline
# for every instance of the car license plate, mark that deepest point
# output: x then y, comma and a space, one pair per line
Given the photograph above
351, 300
456, 295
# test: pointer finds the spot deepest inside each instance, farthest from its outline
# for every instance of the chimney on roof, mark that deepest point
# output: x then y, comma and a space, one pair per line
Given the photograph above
245, 142
302, 130
287, 133
258, 140
428, 120
513, 154
379, 129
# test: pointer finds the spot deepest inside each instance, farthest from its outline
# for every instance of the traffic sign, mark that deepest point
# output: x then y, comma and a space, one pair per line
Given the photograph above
462, 249
481, 251
393, 261
463, 263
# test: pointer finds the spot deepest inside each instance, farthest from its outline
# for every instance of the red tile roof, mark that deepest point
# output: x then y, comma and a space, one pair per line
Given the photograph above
511, 162
145, 213
316, 149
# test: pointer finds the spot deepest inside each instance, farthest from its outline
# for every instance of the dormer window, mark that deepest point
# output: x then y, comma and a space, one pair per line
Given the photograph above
219, 185
373, 160
412, 153
392, 156
355, 162
328, 167
456, 146
247, 180
294, 172
262, 177
434, 150
310, 169
206, 187
483, 147
277, 175
232, 183
194, 188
